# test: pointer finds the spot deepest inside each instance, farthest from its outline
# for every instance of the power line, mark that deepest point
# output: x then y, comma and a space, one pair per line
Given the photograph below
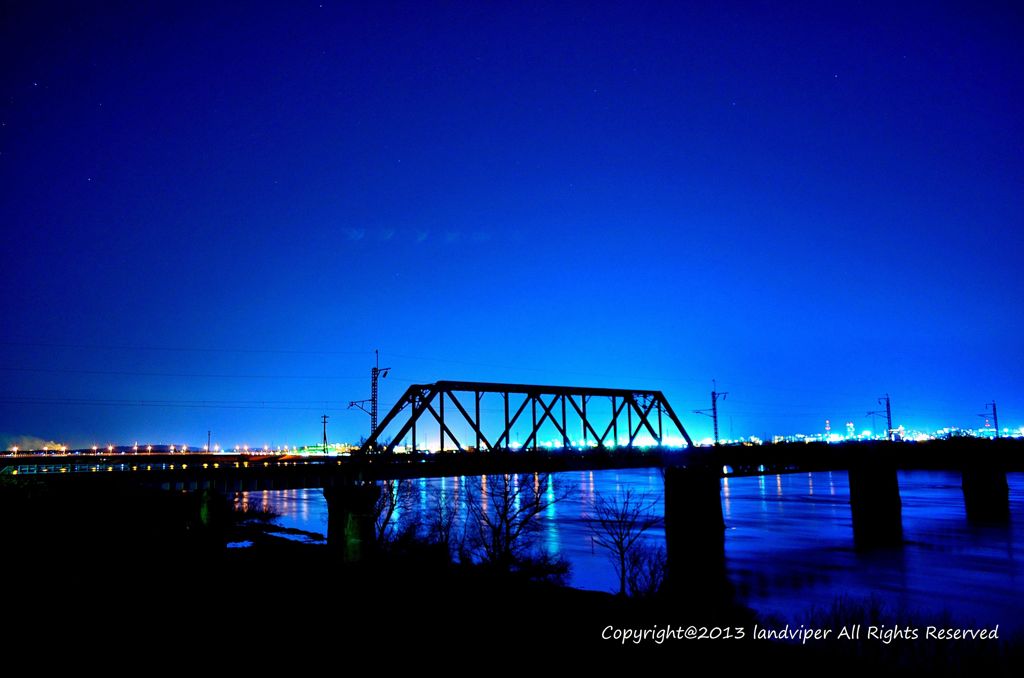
189, 375
227, 405
748, 386
522, 368
181, 349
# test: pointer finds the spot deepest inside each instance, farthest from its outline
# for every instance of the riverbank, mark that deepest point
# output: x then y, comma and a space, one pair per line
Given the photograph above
281, 599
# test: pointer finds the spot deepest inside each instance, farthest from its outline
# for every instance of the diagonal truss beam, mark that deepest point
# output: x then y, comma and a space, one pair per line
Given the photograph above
616, 411
583, 417
469, 420
643, 421
440, 420
547, 414
507, 433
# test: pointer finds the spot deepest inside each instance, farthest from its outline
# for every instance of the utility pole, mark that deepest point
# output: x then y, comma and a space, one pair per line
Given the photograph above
375, 373
713, 412
370, 405
888, 415
884, 400
324, 418
208, 448
990, 410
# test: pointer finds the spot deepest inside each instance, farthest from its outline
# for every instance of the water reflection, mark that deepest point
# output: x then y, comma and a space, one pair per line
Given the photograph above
790, 546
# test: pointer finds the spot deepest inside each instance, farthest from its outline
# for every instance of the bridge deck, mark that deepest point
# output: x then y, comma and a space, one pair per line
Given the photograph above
191, 471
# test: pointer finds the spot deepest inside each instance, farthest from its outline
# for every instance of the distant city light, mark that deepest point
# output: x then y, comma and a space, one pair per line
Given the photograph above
900, 433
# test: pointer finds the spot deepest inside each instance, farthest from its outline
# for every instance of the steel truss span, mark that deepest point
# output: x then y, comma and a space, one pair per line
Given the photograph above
530, 406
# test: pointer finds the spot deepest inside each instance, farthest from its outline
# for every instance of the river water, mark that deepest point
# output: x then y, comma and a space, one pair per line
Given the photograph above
789, 542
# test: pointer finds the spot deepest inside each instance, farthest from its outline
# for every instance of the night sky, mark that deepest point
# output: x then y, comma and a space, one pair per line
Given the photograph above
212, 215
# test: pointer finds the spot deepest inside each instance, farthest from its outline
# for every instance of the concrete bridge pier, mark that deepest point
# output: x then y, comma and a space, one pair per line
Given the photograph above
876, 506
986, 494
350, 519
694, 532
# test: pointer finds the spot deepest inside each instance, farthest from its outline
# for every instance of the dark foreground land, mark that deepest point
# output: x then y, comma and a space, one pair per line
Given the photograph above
119, 575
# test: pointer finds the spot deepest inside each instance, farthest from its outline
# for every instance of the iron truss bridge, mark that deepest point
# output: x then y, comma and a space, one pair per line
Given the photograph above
568, 408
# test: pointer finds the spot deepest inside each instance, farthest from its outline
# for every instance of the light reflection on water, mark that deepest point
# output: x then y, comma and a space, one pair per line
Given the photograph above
789, 541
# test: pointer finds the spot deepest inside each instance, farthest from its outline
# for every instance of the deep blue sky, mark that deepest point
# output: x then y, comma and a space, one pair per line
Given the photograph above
814, 204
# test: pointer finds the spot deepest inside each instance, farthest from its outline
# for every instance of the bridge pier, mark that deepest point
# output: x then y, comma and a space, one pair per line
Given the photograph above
986, 494
876, 506
694, 532
350, 519
210, 516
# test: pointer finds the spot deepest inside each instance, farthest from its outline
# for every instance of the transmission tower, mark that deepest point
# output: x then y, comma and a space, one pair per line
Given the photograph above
884, 400
990, 411
370, 405
324, 419
713, 412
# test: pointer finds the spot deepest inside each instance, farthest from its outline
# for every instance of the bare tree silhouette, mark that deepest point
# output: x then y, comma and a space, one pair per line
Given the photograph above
503, 515
393, 505
442, 519
647, 566
617, 525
